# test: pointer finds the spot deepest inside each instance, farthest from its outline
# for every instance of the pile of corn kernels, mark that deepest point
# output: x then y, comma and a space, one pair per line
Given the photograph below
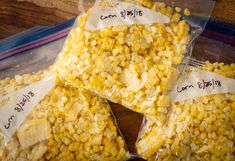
133, 65
201, 129
67, 125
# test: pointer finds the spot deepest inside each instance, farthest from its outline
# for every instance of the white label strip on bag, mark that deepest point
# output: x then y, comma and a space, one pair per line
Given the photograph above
116, 13
195, 83
14, 112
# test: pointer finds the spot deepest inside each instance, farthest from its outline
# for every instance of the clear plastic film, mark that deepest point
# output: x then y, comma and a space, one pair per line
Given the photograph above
127, 51
41, 119
200, 125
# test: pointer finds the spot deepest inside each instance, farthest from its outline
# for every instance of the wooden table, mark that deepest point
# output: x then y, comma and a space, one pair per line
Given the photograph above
18, 15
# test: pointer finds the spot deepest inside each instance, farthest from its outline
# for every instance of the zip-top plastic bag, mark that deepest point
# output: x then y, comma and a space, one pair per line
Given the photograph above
201, 123
41, 119
127, 51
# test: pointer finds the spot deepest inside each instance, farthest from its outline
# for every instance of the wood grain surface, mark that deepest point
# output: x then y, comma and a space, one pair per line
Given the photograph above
18, 15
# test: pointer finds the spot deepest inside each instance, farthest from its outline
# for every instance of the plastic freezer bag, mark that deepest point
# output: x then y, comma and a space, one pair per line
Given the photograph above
201, 124
202, 128
44, 120
127, 51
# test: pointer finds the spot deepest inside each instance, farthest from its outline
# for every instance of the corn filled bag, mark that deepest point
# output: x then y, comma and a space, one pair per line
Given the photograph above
41, 119
126, 52
197, 129
65, 125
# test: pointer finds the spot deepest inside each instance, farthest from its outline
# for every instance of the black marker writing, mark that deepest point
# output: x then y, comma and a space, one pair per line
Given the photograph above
205, 84
10, 120
26, 98
124, 13
133, 13
20, 107
179, 90
31, 94
200, 85
107, 17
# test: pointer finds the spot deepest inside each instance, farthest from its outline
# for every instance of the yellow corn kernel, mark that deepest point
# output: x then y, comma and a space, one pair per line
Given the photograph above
163, 101
187, 12
194, 111
202, 126
178, 9
200, 116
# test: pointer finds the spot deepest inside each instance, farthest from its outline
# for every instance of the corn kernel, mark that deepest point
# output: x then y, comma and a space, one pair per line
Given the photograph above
187, 12
178, 9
